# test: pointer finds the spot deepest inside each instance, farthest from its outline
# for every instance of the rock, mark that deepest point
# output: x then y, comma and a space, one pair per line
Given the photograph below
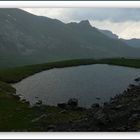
73, 102
105, 103
25, 101
121, 129
131, 85
118, 106
96, 105
134, 117
136, 109
16, 97
101, 117
39, 102
39, 118
80, 108
51, 127
113, 101
63, 111
62, 105
98, 98
137, 79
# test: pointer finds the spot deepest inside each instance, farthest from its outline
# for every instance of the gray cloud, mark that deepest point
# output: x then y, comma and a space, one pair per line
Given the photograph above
112, 14
100, 14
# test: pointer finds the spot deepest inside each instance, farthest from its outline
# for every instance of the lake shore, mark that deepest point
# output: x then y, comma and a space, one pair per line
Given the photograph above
121, 113
16, 74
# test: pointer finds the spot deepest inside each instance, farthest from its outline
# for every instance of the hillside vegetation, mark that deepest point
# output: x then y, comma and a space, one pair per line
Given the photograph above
27, 39
16, 74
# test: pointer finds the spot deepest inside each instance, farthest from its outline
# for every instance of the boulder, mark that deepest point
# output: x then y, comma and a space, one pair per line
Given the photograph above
73, 102
96, 105
98, 98
62, 105
137, 79
39, 102
105, 103
131, 85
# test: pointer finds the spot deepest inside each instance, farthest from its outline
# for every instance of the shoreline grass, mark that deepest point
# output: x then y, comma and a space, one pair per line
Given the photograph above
17, 115
13, 75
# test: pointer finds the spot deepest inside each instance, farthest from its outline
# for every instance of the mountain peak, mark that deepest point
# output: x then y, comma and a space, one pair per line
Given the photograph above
85, 23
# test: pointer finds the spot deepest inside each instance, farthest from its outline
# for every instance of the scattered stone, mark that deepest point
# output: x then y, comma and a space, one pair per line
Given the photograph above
131, 85
98, 98
101, 117
121, 129
120, 114
39, 118
136, 109
25, 101
134, 117
73, 102
51, 127
39, 102
105, 103
62, 105
137, 79
118, 106
80, 109
96, 105
16, 96
63, 111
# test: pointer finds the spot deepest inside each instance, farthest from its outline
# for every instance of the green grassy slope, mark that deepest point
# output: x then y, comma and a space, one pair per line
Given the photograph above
16, 115
13, 75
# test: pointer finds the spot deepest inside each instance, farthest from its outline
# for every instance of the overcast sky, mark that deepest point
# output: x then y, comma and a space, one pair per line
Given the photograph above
125, 22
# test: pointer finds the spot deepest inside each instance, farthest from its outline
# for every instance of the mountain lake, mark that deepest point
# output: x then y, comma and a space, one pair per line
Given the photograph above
90, 84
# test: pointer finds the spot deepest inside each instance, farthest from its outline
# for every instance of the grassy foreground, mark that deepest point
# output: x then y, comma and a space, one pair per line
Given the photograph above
13, 75
16, 115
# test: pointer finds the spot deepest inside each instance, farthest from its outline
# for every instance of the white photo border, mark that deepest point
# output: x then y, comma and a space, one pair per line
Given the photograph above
69, 135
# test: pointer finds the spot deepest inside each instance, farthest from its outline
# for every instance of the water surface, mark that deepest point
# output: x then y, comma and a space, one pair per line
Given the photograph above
86, 83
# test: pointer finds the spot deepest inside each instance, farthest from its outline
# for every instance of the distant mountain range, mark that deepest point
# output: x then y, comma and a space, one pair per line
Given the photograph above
29, 39
109, 34
131, 42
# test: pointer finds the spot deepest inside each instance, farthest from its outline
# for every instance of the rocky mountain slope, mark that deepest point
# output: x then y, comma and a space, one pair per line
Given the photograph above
28, 39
